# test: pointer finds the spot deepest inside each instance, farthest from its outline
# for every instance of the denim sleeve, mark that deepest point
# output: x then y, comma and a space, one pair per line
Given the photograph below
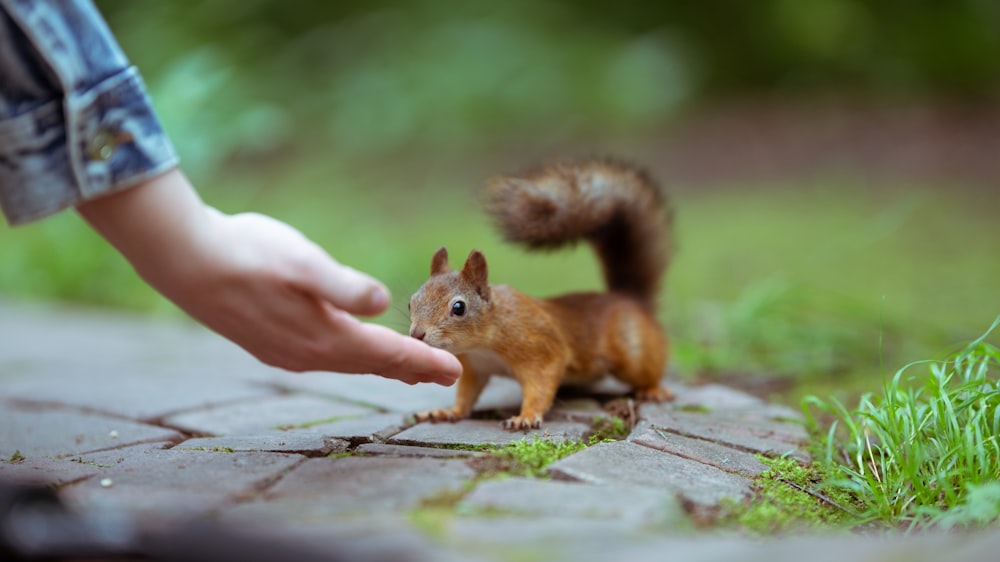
75, 119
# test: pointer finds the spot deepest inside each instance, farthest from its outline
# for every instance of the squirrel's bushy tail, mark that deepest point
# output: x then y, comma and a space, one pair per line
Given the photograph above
616, 207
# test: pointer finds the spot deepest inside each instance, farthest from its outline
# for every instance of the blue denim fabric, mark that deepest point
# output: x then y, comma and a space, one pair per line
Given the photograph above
75, 119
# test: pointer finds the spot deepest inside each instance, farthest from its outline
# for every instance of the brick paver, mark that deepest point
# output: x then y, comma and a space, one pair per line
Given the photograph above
164, 422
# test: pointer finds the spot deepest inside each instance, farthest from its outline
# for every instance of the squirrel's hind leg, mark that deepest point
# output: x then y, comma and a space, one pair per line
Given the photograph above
641, 351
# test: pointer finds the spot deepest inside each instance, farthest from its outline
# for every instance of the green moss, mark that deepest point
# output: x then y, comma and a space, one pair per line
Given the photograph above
787, 498
609, 428
529, 458
434, 514
525, 457
16, 457
313, 423
89, 463
343, 454
484, 448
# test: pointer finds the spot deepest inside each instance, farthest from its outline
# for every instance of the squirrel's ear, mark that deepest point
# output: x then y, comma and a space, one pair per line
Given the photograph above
475, 272
439, 263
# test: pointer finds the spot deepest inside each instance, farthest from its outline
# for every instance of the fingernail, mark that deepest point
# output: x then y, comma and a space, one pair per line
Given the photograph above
379, 297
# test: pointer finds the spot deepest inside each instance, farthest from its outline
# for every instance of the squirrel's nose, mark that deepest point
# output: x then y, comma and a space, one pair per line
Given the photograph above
418, 333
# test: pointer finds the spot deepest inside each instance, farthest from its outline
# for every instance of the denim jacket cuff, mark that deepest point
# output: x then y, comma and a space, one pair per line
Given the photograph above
88, 144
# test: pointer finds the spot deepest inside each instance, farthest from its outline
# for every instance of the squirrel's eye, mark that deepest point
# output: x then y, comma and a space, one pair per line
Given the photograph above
458, 309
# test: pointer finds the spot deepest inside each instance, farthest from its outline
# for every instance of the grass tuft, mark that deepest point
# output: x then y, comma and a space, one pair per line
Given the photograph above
925, 453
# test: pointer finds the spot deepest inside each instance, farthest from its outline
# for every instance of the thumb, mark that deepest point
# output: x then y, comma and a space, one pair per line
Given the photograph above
346, 288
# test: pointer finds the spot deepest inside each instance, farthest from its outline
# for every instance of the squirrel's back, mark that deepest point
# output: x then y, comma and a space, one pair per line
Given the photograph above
615, 207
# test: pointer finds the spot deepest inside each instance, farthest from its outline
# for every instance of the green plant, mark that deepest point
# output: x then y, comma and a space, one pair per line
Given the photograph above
526, 457
608, 428
529, 458
790, 497
925, 452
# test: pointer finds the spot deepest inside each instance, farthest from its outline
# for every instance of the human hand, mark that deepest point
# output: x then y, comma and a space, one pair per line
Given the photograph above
261, 284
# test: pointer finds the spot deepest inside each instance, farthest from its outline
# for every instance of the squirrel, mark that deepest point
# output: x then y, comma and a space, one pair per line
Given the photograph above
572, 338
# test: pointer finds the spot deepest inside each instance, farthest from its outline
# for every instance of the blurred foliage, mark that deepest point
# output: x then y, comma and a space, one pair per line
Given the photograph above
360, 77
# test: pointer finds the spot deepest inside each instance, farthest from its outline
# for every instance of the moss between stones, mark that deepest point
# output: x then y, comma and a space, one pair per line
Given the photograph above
435, 512
528, 458
344, 454
89, 463
216, 449
609, 428
16, 457
312, 423
786, 500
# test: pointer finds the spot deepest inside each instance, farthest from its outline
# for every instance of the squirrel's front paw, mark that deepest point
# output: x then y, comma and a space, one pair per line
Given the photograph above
522, 423
439, 415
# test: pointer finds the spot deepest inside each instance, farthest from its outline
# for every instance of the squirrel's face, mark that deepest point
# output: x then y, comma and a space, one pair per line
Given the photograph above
448, 309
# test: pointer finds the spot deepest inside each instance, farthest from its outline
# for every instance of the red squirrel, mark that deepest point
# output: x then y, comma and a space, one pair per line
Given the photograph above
572, 338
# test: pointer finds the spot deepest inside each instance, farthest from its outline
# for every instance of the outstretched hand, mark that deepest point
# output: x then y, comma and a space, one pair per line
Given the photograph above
261, 284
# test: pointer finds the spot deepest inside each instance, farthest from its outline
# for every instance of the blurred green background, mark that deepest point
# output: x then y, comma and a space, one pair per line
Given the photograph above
834, 163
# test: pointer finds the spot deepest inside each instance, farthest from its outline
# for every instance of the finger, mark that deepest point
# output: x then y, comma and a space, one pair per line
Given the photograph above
400, 357
345, 287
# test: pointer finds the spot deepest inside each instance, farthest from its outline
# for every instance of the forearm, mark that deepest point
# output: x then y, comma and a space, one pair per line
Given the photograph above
151, 223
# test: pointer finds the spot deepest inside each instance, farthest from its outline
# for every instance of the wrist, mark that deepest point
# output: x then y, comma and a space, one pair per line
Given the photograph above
159, 226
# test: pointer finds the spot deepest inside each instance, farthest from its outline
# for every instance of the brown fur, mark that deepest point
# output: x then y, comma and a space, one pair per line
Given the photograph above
577, 337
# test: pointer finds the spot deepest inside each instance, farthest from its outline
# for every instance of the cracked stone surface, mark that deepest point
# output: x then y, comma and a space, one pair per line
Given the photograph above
706, 452
310, 444
627, 463
339, 488
167, 424
638, 506
265, 414
39, 431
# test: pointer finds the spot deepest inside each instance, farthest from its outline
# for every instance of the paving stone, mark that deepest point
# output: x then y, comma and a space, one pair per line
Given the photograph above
303, 442
381, 539
789, 431
711, 397
384, 449
102, 340
141, 390
641, 507
769, 438
707, 452
50, 471
528, 538
720, 400
363, 429
627, 463
46, 431
485, 432
263, 415
334, 489
396, 396
100, 332
169, 485
43, 471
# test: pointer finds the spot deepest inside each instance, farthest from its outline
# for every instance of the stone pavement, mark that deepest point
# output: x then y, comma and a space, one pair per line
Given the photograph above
167, 424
